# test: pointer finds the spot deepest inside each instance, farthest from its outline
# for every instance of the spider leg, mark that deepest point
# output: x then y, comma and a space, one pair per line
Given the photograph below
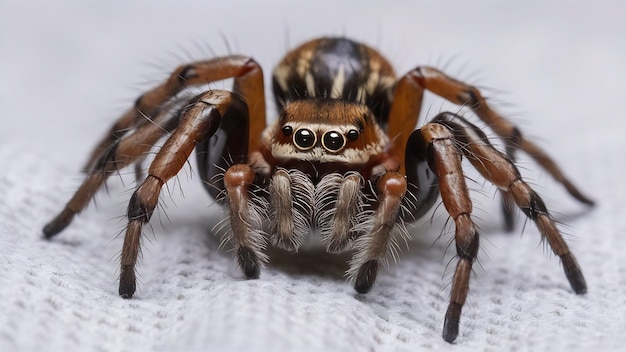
372, 247
155, 102
198, 122
244, 224
461, 93
499, 170
135, 132
405, 110
125, 151
445, 161
448, 137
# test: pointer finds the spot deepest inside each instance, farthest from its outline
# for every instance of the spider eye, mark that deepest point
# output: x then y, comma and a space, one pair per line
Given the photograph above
333, 141
304, 138
287, 130
352, 135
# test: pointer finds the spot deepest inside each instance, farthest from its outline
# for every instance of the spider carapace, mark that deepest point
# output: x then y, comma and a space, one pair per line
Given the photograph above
343, 160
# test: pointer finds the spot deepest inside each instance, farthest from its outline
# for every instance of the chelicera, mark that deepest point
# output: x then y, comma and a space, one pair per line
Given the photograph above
343, 160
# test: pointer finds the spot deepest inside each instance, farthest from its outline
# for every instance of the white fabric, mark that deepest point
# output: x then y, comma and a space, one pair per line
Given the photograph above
65, 70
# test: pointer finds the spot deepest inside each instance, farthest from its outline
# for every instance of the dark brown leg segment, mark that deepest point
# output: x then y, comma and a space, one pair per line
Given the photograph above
445, 161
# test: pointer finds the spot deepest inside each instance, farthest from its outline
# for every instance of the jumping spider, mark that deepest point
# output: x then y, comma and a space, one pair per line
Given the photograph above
343, 158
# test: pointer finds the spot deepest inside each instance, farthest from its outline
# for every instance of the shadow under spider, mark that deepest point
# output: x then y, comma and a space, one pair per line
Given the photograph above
309, 261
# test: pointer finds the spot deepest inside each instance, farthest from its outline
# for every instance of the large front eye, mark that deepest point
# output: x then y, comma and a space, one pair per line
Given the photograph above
304, 139
333, 141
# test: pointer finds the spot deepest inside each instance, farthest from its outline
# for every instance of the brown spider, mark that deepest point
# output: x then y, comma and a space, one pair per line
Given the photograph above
343, 159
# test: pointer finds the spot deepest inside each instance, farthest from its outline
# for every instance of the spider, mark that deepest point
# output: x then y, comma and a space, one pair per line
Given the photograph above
343, 160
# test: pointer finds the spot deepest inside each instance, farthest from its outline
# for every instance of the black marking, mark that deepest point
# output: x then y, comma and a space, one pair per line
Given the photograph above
137, 210
107, 162
366, 277
127, 282
329, 57
421, 180
138, 102
430, 155
573, 274
516, 136
451, 322
141, 110
508, 212
359, 121
333, 55
474, 103
117, 132
512, 143
536, 207
187, 72
58, 224
468, 251
249, 262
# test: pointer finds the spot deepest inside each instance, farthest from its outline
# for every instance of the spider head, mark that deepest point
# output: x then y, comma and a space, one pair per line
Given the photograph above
325, 131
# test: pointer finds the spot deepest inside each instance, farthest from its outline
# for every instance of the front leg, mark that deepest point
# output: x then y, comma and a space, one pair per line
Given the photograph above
372, 247
244, 221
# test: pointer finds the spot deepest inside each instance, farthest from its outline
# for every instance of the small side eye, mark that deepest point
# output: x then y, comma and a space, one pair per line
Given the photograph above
287, 130
304, 139
333, 141
352, 135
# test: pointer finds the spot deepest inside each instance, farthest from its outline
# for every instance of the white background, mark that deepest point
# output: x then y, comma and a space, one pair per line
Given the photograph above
69, 68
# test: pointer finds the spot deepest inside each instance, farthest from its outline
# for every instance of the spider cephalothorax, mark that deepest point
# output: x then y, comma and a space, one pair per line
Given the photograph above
327, 133
342, 160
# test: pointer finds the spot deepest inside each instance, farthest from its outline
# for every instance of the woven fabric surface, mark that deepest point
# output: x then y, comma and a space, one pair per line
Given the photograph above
66, 74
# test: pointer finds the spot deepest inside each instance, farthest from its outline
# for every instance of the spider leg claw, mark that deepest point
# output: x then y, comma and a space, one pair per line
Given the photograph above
249, 262
366, 276
58, 224
451, 322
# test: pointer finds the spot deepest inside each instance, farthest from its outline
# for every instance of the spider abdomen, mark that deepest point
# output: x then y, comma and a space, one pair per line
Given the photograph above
335, 68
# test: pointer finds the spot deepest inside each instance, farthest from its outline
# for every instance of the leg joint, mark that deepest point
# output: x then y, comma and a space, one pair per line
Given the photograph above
144, 200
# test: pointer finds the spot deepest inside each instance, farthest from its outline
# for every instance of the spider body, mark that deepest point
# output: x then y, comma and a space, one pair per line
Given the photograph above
343, 159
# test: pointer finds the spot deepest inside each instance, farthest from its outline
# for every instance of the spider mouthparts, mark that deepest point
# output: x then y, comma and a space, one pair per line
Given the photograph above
366, 276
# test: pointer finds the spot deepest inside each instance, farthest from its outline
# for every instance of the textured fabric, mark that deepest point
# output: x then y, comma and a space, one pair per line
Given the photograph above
64, 70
